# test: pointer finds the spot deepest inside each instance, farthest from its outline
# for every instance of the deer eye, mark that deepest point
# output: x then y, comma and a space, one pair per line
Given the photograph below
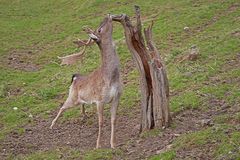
100, 30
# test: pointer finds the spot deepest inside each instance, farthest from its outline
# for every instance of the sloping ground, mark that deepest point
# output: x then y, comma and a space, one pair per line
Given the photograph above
205, 94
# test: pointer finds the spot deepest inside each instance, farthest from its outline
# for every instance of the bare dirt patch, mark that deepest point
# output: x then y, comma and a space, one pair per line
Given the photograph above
236, 34
21, 60
203, 152
82, 136
232, 63
14, 91
205, 25
216, 17
193, 31
75, 134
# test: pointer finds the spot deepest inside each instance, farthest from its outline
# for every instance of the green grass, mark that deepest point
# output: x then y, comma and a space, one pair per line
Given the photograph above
67, 153
229, 149
106, 154
224, 136
226, 145
187, 100
169, 155
39, 31
63, 153
49, 155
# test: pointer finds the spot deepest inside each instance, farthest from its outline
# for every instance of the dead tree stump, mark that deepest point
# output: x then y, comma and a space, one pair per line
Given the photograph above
153, 78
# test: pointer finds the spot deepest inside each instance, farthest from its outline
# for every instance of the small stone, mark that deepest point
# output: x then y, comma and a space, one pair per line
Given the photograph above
160, 151
15, 108
139, 141
48, 111
169, 146
188, 74
176, 135
28, 129
193, 53
238, 129
206, 122
186, 28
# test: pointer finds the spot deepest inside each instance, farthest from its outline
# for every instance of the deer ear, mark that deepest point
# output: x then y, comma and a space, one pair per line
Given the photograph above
94, 37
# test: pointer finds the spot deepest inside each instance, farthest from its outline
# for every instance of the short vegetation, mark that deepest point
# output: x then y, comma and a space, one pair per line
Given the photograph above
33, 84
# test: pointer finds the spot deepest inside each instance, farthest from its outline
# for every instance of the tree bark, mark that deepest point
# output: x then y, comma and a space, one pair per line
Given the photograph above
153, 77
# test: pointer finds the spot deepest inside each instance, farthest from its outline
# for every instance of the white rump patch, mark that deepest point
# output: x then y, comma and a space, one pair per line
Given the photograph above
74, 78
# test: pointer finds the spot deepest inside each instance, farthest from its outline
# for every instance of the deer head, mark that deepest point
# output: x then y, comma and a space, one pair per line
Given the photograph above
103, 32
102, 35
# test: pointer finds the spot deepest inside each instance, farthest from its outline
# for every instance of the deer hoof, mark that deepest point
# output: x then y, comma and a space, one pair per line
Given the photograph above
84, 118
98, 146
113, 146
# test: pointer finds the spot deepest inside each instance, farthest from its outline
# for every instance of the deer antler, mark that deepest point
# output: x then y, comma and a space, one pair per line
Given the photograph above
81, 43
87, 30
71, 59
88, 42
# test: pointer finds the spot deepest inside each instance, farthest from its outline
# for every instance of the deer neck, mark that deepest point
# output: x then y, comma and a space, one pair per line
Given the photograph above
110, 62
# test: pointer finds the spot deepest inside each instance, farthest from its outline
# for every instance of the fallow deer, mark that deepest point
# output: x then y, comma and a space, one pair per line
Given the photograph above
102, 86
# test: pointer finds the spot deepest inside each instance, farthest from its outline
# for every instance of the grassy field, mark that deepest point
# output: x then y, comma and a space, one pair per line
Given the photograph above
33, 84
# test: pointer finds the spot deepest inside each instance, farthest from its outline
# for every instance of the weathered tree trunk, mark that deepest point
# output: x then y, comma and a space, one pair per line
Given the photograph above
153, 77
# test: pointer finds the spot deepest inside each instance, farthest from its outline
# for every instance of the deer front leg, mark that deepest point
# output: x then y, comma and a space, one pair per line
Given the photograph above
84, 115
100, 123
113, 121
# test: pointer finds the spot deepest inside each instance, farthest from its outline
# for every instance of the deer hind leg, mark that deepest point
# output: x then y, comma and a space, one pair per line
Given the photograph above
83, 110
114, 107
100, 123
70, 102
